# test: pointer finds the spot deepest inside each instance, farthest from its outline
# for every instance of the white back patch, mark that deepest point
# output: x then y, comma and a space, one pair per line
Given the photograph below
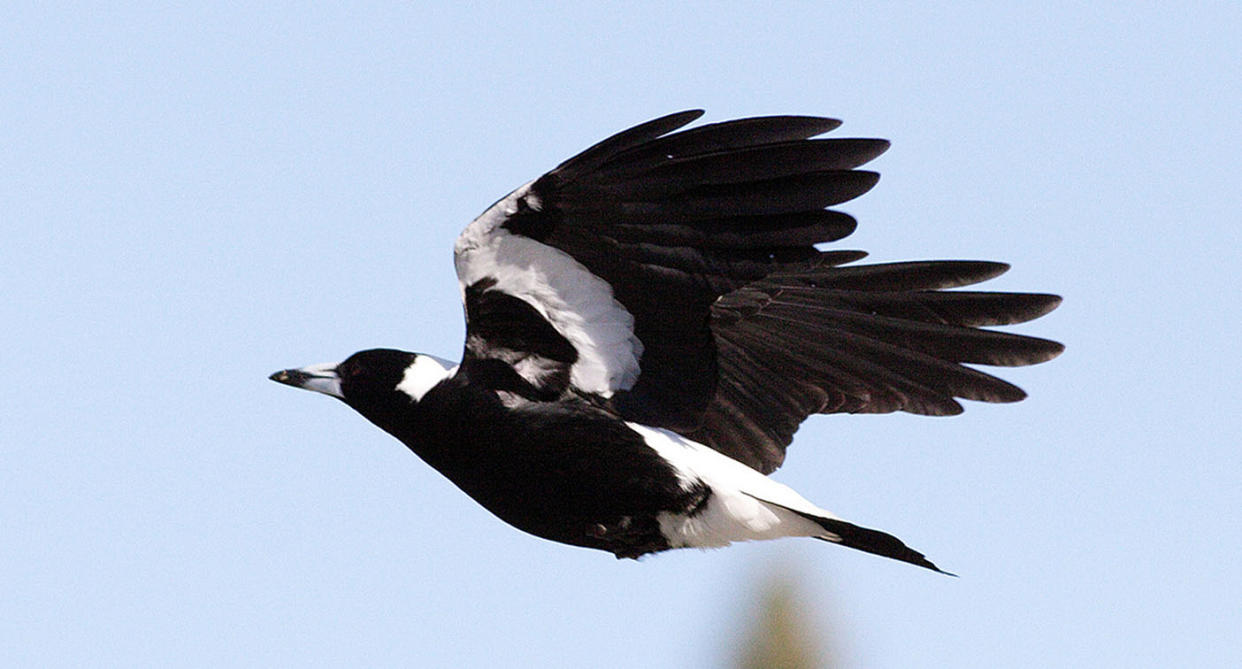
578, 304
423, 374
745, 505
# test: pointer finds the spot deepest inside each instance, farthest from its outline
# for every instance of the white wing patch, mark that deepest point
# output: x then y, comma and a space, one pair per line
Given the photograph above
744, 505
578, 304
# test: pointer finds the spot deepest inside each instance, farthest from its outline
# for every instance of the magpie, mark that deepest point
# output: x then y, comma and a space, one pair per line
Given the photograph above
648, 324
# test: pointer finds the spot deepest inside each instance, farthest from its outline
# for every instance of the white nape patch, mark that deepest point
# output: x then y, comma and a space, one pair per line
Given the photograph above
744, 505
423, 374
578, 304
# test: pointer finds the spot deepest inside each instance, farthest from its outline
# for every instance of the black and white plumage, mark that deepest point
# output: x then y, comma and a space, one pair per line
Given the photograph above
649, 323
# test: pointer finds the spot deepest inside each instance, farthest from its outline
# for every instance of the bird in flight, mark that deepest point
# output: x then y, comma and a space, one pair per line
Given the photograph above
648, 324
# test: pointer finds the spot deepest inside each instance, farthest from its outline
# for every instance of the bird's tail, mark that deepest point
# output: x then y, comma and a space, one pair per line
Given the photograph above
869, 540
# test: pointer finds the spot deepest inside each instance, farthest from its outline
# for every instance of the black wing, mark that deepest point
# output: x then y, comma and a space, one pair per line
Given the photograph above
675, 275
860, 339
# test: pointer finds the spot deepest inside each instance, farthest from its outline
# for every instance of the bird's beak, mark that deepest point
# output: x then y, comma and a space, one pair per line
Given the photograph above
319, 378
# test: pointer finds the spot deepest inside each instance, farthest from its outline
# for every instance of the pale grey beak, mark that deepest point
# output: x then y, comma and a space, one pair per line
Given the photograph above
319, 378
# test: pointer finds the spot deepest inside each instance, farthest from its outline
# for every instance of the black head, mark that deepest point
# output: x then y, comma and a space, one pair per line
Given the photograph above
375, 382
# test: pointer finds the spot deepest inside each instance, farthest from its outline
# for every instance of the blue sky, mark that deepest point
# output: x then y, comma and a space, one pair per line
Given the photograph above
192, 198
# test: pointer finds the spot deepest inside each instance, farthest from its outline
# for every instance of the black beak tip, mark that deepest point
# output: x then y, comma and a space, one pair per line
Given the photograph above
288, 377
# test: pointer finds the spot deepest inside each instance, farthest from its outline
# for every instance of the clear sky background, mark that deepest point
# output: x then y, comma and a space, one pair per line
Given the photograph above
192, 198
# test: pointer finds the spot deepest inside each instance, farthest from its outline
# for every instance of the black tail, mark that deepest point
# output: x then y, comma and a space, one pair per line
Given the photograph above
871, 541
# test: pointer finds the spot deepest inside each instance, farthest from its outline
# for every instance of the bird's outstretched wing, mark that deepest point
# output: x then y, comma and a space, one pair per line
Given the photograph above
674, 275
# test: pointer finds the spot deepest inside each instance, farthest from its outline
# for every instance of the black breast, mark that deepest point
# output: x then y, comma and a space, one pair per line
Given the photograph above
565, 471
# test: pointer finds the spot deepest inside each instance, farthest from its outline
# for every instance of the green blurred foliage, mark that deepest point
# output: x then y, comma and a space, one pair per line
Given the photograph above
783, 633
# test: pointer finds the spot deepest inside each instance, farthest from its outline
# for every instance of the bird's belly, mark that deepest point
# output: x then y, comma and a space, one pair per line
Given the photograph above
606, 503
614, 518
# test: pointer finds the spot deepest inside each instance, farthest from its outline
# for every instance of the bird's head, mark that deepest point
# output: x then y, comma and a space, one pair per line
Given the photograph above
375, 382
